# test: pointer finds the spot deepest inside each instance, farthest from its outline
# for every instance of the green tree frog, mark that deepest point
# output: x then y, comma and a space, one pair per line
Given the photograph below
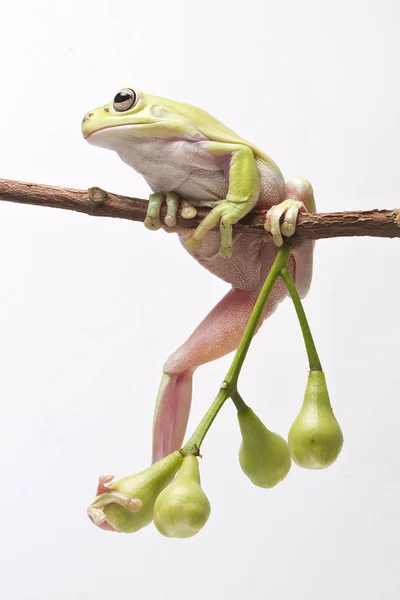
190, 159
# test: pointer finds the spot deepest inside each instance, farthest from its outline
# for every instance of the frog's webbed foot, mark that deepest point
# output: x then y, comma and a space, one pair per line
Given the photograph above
226, 214
153, 217
106, 495
281, 218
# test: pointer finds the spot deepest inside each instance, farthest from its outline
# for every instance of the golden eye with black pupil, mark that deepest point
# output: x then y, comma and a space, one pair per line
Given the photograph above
124, 100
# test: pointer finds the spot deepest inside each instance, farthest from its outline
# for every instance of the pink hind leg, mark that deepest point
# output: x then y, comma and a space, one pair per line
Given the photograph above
218, 334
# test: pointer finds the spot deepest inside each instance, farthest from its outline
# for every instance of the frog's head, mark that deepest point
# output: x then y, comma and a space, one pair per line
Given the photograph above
132, 114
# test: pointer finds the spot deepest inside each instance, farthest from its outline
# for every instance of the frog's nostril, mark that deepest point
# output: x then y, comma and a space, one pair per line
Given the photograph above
87, 116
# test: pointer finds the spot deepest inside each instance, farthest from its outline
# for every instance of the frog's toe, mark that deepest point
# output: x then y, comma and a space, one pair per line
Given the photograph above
172, 201
192, 242
225, 252
288, 226
225, 228
272, 224
152, 223
188, 211
152, 220
102, 484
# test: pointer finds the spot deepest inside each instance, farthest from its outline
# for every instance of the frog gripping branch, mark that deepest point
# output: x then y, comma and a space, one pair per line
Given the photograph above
192, 160
203, 177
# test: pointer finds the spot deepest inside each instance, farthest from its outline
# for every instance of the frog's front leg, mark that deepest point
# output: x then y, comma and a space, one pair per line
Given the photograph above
243, 191
153, 216
281, 218
218, 334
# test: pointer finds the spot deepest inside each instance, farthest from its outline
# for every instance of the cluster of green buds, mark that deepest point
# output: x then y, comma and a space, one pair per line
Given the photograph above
169, 492
314, 441
315, 438
179, 508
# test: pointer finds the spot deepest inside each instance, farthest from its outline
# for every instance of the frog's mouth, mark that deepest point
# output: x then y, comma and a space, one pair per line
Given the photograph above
87, 134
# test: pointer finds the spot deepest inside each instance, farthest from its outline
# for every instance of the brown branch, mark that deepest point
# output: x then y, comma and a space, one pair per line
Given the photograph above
96, 202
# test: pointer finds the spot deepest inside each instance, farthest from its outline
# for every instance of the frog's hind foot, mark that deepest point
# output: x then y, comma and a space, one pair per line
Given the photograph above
153, 216
281, 218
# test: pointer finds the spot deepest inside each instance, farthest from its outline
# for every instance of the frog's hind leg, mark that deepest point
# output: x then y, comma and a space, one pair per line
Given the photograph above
171, 412
218, 334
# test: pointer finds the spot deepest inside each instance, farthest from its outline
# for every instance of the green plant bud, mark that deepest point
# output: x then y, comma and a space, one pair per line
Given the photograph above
315, 438
182, 508
263, 455
129, 504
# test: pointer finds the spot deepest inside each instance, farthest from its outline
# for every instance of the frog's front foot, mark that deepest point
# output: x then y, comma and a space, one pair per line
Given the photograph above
172, 200
281, 218
226, 214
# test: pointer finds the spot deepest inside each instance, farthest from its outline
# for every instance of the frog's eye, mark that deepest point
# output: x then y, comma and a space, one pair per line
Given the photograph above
125, 99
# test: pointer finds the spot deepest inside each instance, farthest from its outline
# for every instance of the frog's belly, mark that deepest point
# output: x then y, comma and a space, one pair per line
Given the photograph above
198, 186
204, 187
197, 182
243, 270
181, 166
188, 168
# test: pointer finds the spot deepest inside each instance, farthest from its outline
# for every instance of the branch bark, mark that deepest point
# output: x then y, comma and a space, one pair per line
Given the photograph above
97, 202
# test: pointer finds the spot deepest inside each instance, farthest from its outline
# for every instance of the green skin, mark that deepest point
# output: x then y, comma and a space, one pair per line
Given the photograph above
315, 438
182, 508
264, 456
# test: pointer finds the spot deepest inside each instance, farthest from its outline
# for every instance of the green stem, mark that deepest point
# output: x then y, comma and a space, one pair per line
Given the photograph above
229, 387
192, 446
238, 401
313, 358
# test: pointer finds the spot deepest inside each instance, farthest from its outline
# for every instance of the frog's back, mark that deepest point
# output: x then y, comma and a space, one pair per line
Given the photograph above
213, 129
271, 178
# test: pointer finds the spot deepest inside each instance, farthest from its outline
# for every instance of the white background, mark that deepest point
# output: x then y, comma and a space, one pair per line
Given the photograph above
91, 308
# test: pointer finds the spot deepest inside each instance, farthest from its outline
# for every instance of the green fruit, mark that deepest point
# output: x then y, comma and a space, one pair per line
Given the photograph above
182, 508
145, 486
315, 438
264, 456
